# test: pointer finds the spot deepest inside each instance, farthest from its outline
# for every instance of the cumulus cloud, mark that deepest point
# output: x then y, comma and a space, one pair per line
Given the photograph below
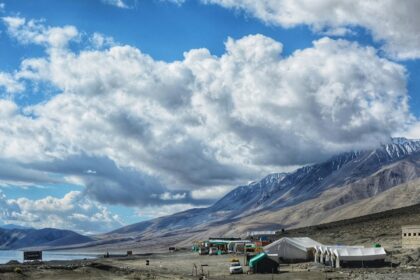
396, 23
9, 84
100, 41
153, 133
33, 31
73, 211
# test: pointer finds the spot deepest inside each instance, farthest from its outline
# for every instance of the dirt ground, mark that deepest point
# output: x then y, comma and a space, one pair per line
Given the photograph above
180, 265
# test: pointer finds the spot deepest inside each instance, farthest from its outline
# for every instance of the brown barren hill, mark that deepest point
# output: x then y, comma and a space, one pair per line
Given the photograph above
383, 227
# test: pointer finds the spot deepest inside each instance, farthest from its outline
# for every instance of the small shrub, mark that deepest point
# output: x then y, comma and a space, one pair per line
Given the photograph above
18, 270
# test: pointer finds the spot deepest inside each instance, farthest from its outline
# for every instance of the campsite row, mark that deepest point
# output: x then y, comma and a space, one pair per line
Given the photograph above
263, 252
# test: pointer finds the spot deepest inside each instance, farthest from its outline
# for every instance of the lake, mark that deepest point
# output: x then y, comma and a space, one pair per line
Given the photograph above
7, 255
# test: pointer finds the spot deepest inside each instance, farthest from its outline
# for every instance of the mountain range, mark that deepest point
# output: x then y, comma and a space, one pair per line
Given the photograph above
17, 237
348, 185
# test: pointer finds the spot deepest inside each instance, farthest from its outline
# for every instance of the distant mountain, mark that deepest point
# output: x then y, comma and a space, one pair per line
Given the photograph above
48, 237
348, 185
12, 226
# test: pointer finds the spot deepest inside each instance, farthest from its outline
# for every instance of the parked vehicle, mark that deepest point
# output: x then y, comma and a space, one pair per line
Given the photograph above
236, 268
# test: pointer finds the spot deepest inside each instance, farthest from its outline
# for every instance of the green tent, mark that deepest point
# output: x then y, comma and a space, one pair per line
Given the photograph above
256, 259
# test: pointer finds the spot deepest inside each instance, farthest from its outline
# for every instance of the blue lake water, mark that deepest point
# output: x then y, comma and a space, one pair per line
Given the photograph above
7, 255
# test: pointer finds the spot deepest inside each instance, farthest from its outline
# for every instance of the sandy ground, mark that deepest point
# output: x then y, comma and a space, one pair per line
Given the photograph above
180, 265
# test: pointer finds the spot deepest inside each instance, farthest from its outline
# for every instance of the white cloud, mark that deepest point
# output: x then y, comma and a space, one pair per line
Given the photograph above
413, 132
170, 196
74, 211
201, 122
164, 210
396, 23
211, 192
117, 3
123, 4
33, 31
100, 41
8, 108
177, 2
10, 84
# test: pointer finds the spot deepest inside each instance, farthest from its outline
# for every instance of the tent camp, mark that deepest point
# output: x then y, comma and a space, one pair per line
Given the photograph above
293, 248
358, 256
323, 254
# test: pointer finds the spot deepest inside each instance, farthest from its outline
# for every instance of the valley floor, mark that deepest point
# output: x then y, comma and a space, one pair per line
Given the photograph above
180, 266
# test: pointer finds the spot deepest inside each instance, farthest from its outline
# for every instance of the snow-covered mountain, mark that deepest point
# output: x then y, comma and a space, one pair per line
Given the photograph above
312, 194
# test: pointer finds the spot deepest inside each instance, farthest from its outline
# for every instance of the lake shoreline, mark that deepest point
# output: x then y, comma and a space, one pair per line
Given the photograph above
48, 255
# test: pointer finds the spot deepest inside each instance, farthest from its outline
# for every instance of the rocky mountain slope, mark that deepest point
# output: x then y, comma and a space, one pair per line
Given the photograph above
382, 227
347, 185
17, 238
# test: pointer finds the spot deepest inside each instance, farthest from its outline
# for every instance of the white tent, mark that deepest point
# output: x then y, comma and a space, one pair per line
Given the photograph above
323, 254
293, 248
358, 254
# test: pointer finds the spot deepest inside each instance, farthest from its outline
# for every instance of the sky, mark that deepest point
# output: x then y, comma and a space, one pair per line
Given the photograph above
118, 111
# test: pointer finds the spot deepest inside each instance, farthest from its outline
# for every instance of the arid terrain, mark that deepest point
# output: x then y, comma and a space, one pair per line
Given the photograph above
180, 265
382, 227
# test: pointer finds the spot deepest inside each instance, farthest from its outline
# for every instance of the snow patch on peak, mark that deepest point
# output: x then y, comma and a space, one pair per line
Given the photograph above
401, 147
405, 141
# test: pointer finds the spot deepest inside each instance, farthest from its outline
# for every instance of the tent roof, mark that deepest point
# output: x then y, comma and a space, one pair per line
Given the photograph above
326, 248
303, 243
218, 241
359, 254
256, 259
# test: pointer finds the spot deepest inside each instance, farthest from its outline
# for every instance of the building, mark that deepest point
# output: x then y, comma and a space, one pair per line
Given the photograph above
237, 246
410, 236
267, 235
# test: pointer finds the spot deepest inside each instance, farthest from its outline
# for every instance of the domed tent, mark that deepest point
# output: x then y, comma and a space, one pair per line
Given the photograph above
293, 248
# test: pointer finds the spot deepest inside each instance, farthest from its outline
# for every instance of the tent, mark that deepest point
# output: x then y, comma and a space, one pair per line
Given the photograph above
293, 248
358, 256
263, 263
323, 254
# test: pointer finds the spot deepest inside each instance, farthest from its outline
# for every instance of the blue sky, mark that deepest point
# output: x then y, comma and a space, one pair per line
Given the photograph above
181, 164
